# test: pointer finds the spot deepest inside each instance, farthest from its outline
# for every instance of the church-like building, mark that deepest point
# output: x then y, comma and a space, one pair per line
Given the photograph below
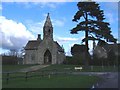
46, 51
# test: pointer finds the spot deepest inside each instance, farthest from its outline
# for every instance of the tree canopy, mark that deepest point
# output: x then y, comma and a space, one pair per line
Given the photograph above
90, 19
93, 22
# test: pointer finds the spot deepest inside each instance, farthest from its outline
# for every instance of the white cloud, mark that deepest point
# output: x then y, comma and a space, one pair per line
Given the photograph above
91, 47
67, 42
107, 0
51, 5
63, 40
47, 4
55, 0
59, 23
45, 15
68, 53
67, 39
40, 5
14, 34
34, 0
25, 4
1, 7
35, 27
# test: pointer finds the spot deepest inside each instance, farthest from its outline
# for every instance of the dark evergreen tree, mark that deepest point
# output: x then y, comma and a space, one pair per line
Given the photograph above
77, 49
78, 53
92, 23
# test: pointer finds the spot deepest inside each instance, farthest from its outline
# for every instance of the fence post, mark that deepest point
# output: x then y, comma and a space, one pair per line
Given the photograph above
26, 76
7, 79
42, 73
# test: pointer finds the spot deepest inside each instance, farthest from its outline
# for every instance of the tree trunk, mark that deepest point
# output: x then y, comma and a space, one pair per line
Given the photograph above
86, 42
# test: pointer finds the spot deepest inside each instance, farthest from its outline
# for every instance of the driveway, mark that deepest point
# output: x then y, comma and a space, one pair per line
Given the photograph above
110, 79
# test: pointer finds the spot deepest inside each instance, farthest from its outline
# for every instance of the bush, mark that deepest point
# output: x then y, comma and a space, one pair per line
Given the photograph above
68, 60
9, 60
74, 60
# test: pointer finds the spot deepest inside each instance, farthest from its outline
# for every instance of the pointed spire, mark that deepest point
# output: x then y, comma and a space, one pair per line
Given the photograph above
48, 21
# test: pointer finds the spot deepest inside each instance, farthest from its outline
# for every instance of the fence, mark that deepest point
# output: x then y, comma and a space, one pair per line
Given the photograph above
8, 76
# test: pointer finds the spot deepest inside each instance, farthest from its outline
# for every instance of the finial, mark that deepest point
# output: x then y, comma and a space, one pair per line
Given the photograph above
48, 14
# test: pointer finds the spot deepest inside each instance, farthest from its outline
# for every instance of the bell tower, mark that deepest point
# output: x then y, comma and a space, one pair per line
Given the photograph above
48, 29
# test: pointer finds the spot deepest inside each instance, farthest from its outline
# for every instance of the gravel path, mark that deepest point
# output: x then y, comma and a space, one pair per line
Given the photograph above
29, 69
33, 68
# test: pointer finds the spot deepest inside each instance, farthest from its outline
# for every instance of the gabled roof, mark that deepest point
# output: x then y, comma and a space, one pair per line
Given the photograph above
60, 49
32, 45
109, 47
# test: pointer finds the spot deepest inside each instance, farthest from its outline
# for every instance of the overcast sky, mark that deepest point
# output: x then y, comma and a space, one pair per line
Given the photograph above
22, 21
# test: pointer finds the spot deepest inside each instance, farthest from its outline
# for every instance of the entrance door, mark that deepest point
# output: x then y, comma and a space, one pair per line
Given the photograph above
47, 57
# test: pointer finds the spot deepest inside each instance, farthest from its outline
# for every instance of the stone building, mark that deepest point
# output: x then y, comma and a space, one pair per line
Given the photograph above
102, 50
46, 51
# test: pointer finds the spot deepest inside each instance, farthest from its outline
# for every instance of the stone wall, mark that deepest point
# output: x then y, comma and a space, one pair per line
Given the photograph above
31, 57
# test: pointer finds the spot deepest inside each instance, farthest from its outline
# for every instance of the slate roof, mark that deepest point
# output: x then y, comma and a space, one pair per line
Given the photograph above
32, 45
113, 47
60, 49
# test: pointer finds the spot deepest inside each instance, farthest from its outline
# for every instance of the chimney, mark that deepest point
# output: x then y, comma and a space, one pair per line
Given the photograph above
39, 37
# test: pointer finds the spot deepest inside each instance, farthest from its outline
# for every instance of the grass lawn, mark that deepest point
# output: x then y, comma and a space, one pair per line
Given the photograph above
65, 68
90, 69
55, 81
6, 68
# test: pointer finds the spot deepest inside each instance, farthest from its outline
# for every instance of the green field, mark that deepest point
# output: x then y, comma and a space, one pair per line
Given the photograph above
57, 81
90, 69
6, 68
